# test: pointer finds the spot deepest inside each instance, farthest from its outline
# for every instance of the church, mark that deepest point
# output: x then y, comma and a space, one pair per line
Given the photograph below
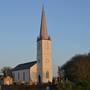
40, 70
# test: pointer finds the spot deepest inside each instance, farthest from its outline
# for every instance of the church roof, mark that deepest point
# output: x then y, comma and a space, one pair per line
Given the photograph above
24, 66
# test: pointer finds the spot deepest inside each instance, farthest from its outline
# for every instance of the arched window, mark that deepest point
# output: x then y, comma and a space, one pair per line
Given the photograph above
39, 78
47, 74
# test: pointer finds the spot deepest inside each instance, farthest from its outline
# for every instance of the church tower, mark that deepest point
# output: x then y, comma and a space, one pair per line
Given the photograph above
44, 56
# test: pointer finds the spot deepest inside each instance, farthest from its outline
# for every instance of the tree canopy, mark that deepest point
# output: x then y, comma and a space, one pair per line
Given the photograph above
77, 68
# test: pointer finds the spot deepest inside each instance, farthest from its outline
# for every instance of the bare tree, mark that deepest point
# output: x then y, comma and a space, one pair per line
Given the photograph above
6, 70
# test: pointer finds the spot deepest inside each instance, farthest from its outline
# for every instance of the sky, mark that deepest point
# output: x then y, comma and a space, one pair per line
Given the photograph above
68, 24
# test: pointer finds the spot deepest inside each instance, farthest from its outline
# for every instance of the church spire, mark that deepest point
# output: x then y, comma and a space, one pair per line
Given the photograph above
43, 28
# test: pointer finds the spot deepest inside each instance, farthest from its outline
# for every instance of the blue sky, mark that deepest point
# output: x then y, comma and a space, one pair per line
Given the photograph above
68, 23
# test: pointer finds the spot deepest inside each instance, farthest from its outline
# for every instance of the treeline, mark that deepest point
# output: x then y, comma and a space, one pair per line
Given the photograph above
75, 74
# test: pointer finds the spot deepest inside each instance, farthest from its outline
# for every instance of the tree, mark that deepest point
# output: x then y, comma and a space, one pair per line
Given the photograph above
6, 70
60, 74
78, 68
63, 83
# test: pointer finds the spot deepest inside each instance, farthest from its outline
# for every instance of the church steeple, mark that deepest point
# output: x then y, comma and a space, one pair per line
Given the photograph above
44, 53
43, 28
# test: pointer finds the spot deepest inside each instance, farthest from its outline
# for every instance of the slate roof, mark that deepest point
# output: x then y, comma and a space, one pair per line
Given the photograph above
24, 66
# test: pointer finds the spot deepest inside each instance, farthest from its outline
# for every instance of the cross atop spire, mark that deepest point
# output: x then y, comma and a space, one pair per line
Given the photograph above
43, 28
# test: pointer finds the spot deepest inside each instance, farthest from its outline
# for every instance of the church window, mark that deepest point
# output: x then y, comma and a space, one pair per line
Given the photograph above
23, 76
18, 75
13, 75
39, 78
47, 74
